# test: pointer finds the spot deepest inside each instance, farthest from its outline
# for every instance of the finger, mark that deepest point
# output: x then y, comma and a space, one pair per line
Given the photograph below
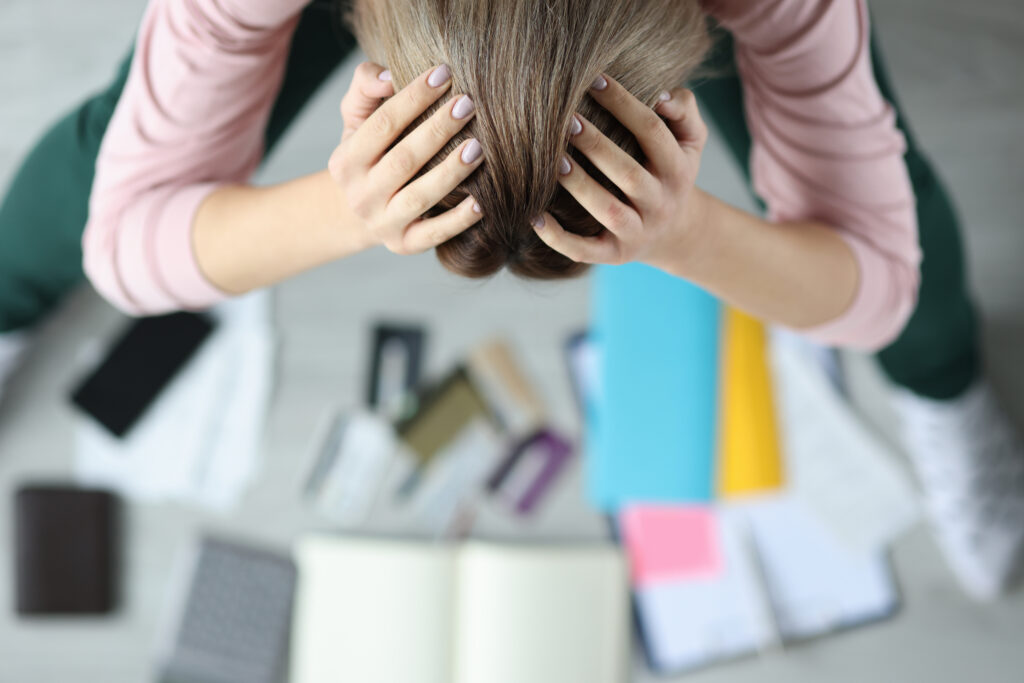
650, 131
433, 186
430, 232
620, 168
406, 158
683, 117
370, 84
620, 219
603, 248
388, 121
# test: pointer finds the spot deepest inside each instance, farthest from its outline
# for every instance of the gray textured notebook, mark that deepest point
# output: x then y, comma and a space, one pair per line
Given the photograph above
235, 619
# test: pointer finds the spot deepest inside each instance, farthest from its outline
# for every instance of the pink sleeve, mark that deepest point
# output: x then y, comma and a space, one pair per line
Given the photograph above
826, 148
191, 118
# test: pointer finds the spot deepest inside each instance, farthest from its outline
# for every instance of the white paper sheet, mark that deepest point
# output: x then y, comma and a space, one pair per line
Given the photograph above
199, 440
454, 477
844, 473
358, 463
814, 583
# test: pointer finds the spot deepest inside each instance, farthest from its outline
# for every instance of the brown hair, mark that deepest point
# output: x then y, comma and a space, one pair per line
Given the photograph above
527, 64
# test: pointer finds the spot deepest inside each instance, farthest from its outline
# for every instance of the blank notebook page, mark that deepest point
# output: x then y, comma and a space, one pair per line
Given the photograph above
543, 615
373, 612
816, 584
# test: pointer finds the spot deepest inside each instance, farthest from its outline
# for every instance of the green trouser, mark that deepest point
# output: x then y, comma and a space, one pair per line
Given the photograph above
44, 211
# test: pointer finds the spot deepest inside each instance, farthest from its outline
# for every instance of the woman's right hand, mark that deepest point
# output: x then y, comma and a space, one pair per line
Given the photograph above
374, 181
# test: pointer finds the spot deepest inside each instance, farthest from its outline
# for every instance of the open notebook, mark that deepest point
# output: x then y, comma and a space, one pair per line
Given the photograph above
373, 610
780, 576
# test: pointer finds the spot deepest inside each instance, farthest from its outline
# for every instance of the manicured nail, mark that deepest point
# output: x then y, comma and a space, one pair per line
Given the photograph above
537, 221
384, 75
439, 76
564, 167
476, 208
471, 152
665, 96
600, 83
464, 106
575, 128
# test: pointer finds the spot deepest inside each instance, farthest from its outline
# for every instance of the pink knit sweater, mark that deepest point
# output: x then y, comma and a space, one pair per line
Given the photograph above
206, 72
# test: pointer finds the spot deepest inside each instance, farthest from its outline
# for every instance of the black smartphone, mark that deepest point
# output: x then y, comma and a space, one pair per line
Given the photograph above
140, 364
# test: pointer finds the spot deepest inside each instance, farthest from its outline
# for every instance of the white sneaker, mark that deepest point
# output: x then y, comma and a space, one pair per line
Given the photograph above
970, 462
12, 349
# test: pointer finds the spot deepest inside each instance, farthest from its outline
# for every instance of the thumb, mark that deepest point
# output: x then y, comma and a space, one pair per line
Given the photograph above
370, 84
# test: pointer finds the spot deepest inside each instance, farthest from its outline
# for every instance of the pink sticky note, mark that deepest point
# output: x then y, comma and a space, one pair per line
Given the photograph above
666, 542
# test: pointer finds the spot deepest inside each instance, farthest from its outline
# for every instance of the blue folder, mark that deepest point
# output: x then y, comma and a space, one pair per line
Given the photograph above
651, 424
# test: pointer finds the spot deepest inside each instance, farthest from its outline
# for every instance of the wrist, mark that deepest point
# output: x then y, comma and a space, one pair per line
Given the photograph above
344, 233
690, 241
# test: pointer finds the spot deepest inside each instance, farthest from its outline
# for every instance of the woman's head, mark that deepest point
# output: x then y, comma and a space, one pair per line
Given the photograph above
527, 64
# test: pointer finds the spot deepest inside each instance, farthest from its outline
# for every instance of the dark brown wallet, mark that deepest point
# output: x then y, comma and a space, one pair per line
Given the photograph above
65, 550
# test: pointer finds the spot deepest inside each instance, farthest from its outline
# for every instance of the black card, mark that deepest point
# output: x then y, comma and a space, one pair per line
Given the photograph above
139, 366
65, 550
396, 364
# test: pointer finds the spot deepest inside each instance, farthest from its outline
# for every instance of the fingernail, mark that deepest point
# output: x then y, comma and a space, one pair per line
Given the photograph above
439, 76
564, 167
384, 75
665, 96
471, 152
576, 127
600, 83
476, 208
537, 221
464, 106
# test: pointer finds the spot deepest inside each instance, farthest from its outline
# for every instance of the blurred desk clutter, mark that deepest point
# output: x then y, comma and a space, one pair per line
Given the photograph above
772, 524
231, 615
476, 437
198, 440
748, 507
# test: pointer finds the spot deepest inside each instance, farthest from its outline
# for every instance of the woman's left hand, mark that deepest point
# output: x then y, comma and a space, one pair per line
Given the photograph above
661, 211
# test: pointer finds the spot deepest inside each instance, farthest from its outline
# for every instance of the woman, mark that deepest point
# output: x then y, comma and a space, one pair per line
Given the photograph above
538, 137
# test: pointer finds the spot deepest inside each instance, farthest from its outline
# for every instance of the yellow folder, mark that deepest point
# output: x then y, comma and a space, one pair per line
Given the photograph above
750, 458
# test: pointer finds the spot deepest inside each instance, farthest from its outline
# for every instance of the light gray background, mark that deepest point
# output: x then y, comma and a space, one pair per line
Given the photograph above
957, 66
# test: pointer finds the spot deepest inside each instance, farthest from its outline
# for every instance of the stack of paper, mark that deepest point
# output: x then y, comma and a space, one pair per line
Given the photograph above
354, 453
199, 440
843, 472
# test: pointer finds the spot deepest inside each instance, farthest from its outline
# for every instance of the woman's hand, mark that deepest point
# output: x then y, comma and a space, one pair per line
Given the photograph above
663, 208
374, 181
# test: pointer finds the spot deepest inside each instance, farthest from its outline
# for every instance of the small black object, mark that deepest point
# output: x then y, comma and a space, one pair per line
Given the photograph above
65, 550
396, 365
142, 362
